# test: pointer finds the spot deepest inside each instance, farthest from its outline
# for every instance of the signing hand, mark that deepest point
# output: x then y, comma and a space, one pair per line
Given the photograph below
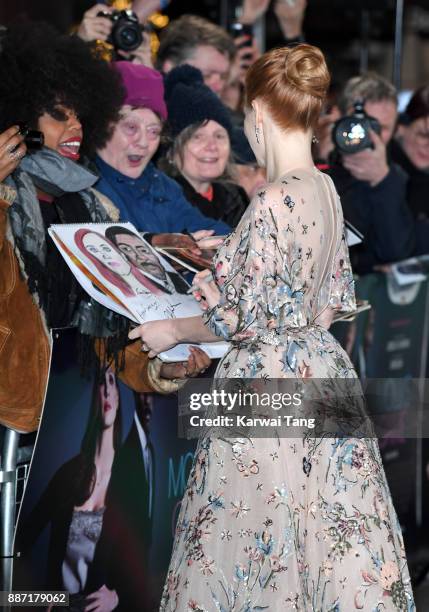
369, 165
10, 156
103, 600
197, 363
206, 290
93, 27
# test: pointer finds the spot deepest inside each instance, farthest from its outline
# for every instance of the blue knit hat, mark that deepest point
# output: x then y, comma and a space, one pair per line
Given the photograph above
190, 101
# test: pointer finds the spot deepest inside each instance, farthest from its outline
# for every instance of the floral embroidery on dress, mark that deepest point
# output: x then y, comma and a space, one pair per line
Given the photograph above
277, 524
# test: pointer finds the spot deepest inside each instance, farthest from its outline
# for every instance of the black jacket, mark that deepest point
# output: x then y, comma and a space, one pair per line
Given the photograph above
417, 197
418, 182
228, 204
380, 213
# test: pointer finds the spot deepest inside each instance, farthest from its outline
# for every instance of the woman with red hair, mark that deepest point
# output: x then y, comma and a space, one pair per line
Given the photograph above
296, 516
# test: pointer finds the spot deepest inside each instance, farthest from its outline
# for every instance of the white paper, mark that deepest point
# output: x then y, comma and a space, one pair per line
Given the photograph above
408, 272
353, 236
135, 280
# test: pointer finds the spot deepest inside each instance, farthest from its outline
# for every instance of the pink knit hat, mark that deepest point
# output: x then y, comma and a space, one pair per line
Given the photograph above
144, 87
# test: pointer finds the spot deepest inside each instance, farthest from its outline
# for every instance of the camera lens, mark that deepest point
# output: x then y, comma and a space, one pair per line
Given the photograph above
350, 135
126, 35
130, 38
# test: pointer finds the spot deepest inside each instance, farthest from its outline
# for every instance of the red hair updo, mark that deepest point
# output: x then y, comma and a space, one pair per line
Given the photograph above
292, 82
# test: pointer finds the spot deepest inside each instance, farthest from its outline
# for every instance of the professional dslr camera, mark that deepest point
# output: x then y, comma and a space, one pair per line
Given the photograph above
127, 33
351, 134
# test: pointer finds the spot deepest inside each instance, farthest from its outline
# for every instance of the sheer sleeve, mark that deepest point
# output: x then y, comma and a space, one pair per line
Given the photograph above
247, 278
342, 292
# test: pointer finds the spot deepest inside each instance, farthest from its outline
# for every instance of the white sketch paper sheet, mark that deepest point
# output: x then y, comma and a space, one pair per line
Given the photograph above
121, 271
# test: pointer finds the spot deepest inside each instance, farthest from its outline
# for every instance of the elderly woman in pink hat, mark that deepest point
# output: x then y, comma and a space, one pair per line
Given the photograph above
145, 196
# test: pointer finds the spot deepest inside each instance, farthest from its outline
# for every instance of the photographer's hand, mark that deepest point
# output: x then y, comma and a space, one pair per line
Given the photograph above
93, 27
141, 55
369, 165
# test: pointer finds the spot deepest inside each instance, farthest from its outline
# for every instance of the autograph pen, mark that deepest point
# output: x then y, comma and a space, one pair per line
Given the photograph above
207, 279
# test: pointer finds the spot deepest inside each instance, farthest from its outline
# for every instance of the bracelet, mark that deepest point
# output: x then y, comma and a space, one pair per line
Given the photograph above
7, 194
159, 384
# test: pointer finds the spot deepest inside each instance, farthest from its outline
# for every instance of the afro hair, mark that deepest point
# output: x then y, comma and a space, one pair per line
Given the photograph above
41, 69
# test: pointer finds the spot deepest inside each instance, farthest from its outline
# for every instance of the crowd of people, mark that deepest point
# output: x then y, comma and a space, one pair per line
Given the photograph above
180, 143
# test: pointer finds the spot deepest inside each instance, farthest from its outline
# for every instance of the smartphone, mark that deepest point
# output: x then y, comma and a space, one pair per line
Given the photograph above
239, 29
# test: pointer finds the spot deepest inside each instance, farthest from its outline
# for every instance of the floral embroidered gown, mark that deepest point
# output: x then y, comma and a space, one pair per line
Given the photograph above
281, 523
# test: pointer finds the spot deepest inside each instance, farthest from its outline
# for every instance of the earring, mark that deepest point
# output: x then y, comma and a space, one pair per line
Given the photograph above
257, 134
314, 140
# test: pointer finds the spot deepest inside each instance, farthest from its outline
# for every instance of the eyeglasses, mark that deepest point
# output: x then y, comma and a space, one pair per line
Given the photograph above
132, 128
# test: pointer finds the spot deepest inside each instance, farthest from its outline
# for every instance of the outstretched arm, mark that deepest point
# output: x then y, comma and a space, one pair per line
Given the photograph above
162, 335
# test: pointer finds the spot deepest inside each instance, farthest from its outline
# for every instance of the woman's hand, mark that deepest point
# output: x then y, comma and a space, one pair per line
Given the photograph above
103, 600
206, 240
206, 290
12, 150
325, 318
197, 363
93, 27
156, 336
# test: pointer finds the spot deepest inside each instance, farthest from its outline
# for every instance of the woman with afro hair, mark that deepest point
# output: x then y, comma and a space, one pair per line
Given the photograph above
54, 84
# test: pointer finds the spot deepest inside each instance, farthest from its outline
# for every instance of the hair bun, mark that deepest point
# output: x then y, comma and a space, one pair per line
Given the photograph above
305, 69
183, 75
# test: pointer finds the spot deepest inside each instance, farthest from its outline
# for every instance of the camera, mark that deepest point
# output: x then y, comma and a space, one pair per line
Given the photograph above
33, 139
351, 134
238, 29
127, 33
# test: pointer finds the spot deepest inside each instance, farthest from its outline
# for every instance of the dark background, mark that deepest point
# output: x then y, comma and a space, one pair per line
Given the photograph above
334, 25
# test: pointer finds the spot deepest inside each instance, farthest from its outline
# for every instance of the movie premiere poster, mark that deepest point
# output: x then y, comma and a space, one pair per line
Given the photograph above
117, 544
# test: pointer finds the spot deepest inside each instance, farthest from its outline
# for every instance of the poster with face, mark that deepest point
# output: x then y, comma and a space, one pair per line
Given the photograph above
118, 268
108, 472
121, 271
